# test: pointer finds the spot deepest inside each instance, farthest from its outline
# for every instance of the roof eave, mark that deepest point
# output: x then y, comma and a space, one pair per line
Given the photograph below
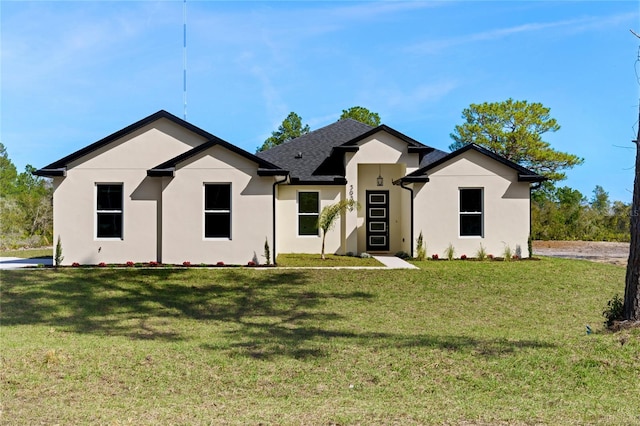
62, 171
334, 181
272, 172
170, 172
530, 178
411, 179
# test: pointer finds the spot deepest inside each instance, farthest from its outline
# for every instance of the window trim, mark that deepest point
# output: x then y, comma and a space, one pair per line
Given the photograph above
480, 213
98, 212
299, 213
206, 211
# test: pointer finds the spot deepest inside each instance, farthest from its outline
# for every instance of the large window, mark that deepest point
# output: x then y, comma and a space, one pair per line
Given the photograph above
109, 210
217, 210
308, 208
471, 212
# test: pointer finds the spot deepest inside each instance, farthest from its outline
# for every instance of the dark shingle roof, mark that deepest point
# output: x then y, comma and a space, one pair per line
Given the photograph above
305, 155
317, 157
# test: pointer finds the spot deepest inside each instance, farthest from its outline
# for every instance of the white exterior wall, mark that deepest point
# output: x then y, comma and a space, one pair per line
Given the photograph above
288, 240
124, 161
506, 206
389, 156
183, 210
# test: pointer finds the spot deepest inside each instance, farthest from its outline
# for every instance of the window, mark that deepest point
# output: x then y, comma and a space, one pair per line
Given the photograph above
471, 212
109, 210
308, 208
217, 210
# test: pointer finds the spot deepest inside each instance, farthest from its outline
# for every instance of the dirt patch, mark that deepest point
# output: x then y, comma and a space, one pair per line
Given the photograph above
597, 251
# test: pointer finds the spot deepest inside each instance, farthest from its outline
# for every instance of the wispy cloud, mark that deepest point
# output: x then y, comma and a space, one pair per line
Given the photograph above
569, 26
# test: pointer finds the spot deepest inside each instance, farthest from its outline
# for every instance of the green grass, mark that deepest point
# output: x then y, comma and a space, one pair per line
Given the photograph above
453, 343
332, 260
28, 253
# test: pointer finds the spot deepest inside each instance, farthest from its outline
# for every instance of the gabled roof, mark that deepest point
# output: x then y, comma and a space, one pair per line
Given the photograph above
524, 174
304, 156
168, 168
317, 157
58, 168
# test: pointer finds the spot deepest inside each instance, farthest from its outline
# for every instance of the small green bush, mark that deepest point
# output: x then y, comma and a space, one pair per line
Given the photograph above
450, 252
421, 249
507, 253
403, 255
614, 311
481, 254
58, 255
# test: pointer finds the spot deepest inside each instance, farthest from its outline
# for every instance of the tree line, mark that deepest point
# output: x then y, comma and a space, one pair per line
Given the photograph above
26, 211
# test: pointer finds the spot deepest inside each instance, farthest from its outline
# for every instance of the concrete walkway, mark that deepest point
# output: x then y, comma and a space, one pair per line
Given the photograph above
393, 262
16, 262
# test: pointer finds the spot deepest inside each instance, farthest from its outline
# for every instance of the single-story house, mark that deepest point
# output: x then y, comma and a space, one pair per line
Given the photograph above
165, 190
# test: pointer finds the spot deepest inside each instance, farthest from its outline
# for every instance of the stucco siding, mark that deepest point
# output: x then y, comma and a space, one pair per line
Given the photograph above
387, 156
505, 207
183, 236
288, 240
124, 161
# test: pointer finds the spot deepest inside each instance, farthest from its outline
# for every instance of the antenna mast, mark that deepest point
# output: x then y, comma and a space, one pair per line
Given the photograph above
184, 59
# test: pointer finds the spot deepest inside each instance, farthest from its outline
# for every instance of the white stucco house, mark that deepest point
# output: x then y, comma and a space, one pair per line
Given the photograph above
165, 190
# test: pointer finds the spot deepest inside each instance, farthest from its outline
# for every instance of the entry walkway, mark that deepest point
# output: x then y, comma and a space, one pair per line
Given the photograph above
393, 262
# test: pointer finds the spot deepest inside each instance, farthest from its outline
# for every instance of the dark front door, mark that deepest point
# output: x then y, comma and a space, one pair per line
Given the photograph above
377, 220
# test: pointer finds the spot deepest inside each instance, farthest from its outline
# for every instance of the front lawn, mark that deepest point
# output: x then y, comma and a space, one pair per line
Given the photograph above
453, 343
314, 260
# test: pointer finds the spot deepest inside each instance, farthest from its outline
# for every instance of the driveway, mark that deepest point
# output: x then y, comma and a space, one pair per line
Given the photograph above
16, 262
597, 251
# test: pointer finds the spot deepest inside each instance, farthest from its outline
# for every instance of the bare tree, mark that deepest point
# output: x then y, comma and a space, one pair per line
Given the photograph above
632, 281
631, 304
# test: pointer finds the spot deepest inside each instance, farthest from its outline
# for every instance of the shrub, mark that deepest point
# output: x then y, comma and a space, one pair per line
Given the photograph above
507, 254
421, 249
490, 256
102, 264
75, 264
186, 263
130, 264
221, 263
251, 263
364, 255
153, 263
614, 311
403, 255
463, 257
450, 252
481, 254
267, 251
58, 257
434, 256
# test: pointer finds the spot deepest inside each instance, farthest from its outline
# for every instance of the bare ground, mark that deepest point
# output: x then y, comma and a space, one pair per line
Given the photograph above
597, 251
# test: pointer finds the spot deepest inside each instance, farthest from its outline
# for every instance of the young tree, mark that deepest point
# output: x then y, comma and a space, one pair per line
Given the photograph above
330, 213
290, 128
362, 115
514, 129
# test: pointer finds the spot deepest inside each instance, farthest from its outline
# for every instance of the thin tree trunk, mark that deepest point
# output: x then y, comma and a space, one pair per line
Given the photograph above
324, 234
632, 281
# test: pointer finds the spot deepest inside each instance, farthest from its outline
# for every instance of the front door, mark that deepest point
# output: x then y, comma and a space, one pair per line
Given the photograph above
377, 220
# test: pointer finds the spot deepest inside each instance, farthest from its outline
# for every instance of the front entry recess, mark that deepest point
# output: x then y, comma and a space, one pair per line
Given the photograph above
377, 220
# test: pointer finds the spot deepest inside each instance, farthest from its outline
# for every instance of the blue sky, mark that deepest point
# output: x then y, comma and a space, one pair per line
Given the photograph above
74, 72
